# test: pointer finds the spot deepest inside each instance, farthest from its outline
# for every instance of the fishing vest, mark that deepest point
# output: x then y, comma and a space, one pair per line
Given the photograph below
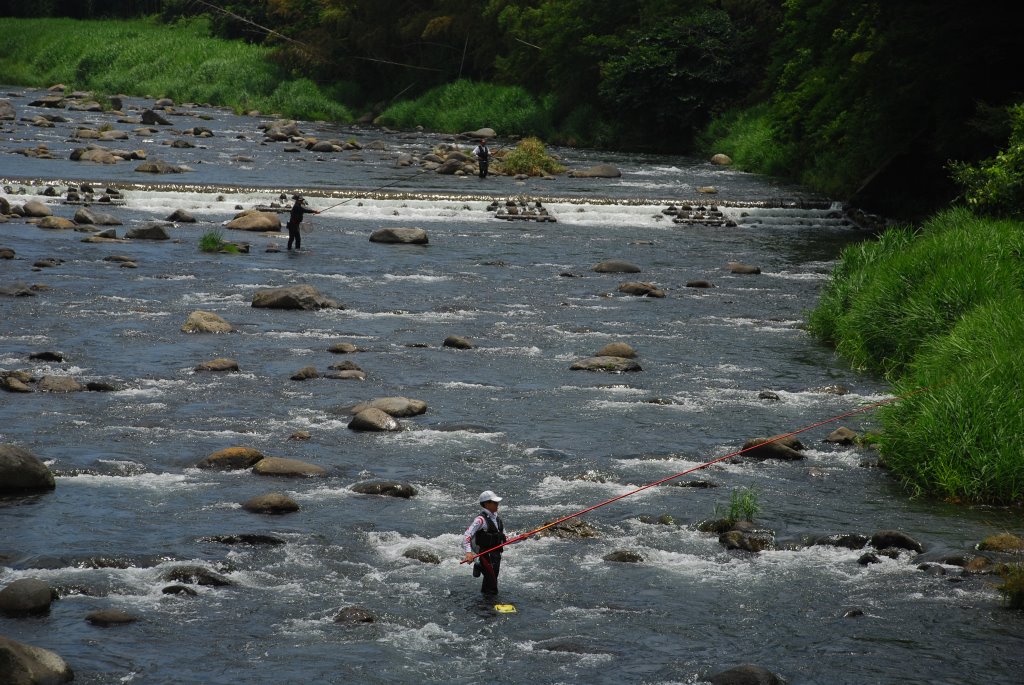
490, 535
483, 154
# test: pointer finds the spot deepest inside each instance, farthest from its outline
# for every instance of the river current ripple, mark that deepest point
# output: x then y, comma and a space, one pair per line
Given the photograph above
507, 415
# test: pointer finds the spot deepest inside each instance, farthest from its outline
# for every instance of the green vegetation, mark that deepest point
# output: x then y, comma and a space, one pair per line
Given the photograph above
149, 59
213, 241
996, 186
530, 157
940, 309
743, 506
467, 106
1012, 588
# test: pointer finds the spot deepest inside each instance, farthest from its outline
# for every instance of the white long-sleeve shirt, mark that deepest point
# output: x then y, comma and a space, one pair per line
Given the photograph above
478, 523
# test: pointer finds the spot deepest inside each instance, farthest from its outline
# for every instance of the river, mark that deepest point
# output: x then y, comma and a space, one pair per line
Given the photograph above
508, 415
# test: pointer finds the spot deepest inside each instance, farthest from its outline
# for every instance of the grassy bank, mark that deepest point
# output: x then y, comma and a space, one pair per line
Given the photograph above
940, 308
149, 59
467, 106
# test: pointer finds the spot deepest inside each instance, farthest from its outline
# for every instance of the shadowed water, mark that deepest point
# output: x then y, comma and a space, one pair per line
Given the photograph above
507, 415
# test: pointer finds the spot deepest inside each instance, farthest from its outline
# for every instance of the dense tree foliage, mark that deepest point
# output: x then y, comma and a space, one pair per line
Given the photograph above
852, 96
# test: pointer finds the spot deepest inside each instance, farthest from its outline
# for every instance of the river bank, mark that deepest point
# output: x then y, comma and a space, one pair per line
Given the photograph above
132, 509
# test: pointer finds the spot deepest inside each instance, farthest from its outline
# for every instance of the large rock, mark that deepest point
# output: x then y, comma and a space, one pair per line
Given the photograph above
398, 407
616, 266
106, 618
354, 614
59, 384
373, 420
599, 171
406, 236
25, 597
22, 472
721, 160
641, 289
276, 466
271, 503
385, 487
761, 448
256, 221
606, 364
218, 364
573, 529
748, 540
205, 322
886, 539
304, 297
480, 133
746, 675
151, 230
458, 342
741, 268
158, 166
182, 217
85, 215
197, 575
22, 664
231, 458
151, 118
36, 209
56, 223
7, 112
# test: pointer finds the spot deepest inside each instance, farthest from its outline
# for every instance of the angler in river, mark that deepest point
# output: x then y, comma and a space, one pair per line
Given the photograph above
485, 532
483, 156
298, 209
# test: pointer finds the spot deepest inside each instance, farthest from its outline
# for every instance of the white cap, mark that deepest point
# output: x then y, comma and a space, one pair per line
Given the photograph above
488, 496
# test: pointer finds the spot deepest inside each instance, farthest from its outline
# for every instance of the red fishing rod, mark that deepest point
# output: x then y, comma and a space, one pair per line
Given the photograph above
859, 410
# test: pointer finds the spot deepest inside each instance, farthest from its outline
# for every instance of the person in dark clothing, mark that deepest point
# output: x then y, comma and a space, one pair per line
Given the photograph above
298, 209
483, 156
486, 531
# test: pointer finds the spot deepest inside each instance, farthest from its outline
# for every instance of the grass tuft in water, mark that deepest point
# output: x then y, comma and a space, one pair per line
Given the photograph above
529, 157
743, 506
213, 241
1012, 588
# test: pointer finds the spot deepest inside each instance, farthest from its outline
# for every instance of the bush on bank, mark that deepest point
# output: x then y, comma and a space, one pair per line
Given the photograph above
144, 58
467, 106
940, 308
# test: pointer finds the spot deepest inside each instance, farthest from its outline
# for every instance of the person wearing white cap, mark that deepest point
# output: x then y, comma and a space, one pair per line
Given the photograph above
486, 531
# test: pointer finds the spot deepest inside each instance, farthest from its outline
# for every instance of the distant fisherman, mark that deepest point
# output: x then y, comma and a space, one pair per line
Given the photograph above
483, 156
485, 532
298, 209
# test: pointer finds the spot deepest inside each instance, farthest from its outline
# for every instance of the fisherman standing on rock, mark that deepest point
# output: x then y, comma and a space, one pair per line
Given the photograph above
485, 532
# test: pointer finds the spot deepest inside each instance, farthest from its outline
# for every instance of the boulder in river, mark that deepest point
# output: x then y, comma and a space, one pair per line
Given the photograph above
842, 436
388, 488
1002, 542
36, 209
754, 540
256, 221
398, 407
572, 529
626, 556
354, 615
641, 289
7, 112
772, 448
55, 223
276, 466
26, 597
606, 364
304, 297
205, 322
22, 472
84, 215
151, 118
106, 618
24, 664
458, 342
151, 230
373, 420
741, 268
271, 503
182, 217
158, 166
721, 160
59, 384
231, 458
616, 266
405, 236
197, 575
219, 364
421, 554
886, 539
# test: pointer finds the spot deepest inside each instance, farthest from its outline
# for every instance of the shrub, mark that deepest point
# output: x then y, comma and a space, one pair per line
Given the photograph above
996, 186
529, 157
1012, 588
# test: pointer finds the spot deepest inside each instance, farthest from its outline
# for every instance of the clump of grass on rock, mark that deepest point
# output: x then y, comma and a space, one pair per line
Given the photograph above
529, 157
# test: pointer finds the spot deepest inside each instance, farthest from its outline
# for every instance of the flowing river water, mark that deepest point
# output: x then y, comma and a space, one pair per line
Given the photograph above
508, 415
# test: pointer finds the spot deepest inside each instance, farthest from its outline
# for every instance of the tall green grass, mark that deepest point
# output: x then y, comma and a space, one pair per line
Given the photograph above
467, 106
149, 59
942, 309
746, 136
